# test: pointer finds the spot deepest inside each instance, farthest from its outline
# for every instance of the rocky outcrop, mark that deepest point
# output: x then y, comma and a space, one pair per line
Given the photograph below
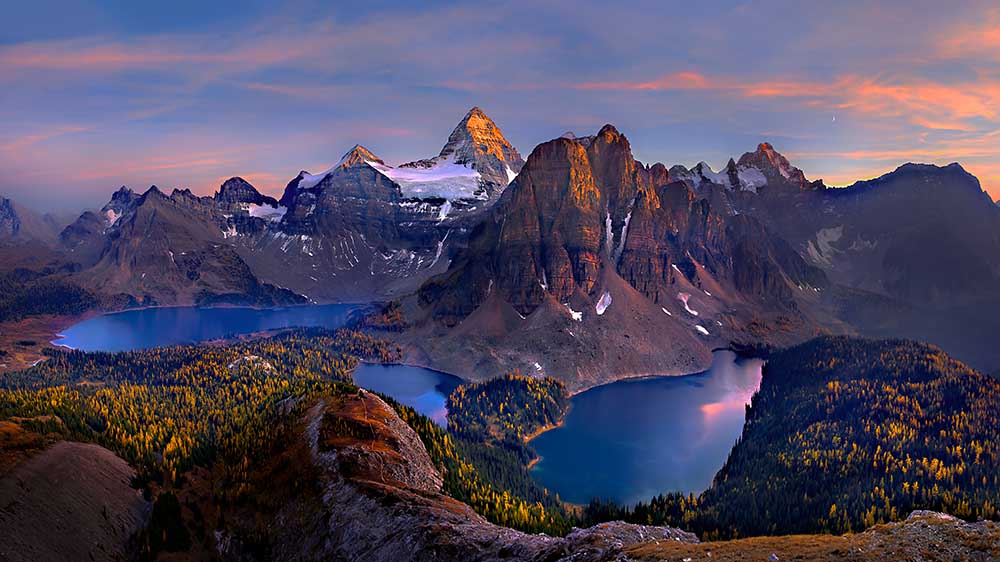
385, 500
924, 535
70, 502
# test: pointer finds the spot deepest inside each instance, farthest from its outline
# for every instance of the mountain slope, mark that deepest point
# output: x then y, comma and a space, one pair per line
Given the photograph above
590, 243
914, 253
172, 249
82, 492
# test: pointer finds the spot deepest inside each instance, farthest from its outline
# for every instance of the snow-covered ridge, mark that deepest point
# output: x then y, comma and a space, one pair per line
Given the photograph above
748, 178
267, 212
445, 178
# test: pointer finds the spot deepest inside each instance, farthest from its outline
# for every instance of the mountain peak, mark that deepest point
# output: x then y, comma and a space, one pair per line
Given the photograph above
608, 129
478, 144
357, 156
773, 165
476, 136
475, 112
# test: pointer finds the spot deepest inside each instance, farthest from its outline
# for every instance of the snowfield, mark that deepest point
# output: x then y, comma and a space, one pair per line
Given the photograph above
266, 212
578, 316
444, 179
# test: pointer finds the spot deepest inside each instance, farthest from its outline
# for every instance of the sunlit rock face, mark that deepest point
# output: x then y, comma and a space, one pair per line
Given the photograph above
478, 144
582, 205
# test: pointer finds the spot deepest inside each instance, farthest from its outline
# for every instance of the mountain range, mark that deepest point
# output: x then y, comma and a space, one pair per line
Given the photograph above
581, 262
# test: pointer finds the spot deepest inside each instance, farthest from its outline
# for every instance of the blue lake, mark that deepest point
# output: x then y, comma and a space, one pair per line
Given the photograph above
157, 327
424, 390
631, 440
626, 441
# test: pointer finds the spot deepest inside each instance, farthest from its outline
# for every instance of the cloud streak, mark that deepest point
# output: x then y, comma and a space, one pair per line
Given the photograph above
273, 93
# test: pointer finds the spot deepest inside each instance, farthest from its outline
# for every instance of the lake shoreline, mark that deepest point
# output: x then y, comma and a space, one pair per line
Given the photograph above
648, 435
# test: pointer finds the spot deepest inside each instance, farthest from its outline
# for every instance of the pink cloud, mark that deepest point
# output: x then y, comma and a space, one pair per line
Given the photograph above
27, 141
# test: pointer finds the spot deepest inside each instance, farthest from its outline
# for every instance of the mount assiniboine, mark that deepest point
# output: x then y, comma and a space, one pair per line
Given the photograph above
581, 263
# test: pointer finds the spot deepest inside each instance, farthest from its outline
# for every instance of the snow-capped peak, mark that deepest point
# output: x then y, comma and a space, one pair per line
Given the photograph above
356, 156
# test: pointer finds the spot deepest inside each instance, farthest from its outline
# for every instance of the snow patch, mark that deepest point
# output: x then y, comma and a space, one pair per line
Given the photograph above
665, 311
621, 241
701, 329
608, 233
443, 212
267, 212
821, 251
751, 179
309, 180
684, 298
603, 303
511, 174
578, 316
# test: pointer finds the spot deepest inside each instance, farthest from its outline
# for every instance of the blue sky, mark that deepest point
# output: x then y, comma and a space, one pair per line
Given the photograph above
94, 95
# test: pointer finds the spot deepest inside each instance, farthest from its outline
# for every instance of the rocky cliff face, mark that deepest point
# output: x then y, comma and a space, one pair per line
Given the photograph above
10, 223
164, 249
586, 233
582, 205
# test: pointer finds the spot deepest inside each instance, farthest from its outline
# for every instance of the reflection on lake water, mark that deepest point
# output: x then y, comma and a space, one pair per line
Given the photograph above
631, 440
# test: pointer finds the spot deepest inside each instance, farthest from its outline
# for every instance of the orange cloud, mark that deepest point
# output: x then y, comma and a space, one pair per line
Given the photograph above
923, 103
979, 39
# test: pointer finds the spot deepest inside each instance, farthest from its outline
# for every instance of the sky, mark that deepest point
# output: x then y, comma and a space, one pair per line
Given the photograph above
99, 94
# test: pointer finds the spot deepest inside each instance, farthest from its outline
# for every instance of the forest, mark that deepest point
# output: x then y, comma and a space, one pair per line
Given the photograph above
29, 293
843, 434
846, 433
173, 411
